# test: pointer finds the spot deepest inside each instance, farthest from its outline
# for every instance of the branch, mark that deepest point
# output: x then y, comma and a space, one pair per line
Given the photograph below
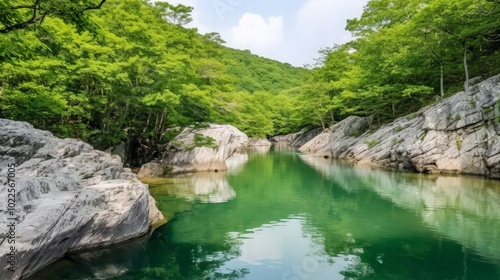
95, 7
39, 17
34, 18
22, 7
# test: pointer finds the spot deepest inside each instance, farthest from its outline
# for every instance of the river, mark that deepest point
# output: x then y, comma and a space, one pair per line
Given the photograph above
286, 215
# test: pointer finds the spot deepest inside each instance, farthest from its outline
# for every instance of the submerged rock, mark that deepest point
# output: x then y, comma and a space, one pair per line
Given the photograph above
68, 197
457, 135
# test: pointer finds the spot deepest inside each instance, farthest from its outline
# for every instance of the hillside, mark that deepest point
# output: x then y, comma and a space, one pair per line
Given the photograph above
131, 70
133, 74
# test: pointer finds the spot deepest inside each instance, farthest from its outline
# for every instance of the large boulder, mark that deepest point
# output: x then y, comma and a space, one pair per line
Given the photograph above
68, 197
457, 135
203, 149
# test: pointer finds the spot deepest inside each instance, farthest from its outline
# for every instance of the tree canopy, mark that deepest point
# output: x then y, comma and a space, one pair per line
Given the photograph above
19, 14
132, 68
406, 54
138, 73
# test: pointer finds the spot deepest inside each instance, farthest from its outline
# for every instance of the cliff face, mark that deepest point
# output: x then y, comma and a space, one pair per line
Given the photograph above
458, 135
64, 196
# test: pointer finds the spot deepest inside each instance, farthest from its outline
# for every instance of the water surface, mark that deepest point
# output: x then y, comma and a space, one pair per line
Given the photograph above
285, 215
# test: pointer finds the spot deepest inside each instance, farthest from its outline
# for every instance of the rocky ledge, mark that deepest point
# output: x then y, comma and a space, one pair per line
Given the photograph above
460, 134
63, 196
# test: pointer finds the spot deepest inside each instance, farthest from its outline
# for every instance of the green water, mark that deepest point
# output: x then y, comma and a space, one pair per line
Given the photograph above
284, 215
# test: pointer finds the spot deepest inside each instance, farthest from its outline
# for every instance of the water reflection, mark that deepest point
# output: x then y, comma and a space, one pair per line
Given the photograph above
465, 209
289, 249
105, 263
236, 162
259, 149
298, 217
205, 187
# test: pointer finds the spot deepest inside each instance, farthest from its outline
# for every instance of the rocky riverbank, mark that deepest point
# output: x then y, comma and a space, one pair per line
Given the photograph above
459, 135
65, 196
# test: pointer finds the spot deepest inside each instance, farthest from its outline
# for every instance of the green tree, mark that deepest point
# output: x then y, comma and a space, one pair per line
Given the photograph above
19, 14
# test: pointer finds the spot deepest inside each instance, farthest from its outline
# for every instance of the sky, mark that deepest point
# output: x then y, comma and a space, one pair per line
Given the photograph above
290, 31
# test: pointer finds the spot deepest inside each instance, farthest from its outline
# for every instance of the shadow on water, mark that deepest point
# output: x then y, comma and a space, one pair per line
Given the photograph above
284, 215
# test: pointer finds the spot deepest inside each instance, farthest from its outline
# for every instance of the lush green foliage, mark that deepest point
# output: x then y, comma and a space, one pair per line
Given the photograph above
137, 73
406, 54
19, 14
131, 69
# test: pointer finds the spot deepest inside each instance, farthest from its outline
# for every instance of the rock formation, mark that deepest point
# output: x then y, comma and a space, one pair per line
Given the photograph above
198, 149
258, 142
68, 197
296, 139
457, 135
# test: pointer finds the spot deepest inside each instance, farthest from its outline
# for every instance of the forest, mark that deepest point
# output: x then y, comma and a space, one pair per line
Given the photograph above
109, 71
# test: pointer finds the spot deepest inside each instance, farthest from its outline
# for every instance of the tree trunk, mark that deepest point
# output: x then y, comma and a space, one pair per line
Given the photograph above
466, 68
161, 126
147, 123
441, 84
322, 123
123, 117
156, 122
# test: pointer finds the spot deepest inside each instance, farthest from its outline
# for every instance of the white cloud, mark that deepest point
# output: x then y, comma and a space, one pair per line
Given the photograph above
310, 25
321, 23
257, 34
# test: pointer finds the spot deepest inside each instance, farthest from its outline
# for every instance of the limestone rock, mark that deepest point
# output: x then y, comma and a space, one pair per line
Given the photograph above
306, 137
152, 169
252, 142
203, 149
286, 139
68, 196
458, 135
296, 139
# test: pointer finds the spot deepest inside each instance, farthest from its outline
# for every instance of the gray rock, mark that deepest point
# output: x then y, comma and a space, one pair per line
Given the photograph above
151, 169
287, 138
252, 142
184, 155
68, 197
296, 139
457, 135
119, 150
306, 137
